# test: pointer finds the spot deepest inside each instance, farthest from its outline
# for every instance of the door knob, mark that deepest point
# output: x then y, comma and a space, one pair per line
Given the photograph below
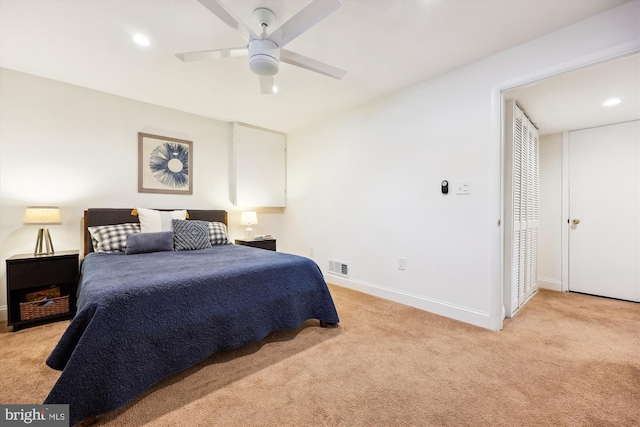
576, 221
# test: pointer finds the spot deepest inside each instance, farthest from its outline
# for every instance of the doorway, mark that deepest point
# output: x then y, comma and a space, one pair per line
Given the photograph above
551, 104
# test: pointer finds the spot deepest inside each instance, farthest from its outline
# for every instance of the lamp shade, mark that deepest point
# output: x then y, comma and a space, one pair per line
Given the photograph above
248, 218
42, 215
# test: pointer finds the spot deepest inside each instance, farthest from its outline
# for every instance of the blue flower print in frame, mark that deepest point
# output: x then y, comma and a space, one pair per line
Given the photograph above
169, 163
165, 165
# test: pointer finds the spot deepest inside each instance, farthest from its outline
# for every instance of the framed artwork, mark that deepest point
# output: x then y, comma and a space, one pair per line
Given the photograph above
165, 165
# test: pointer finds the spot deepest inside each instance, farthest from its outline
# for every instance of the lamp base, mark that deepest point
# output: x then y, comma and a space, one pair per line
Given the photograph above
248, 233
43, 234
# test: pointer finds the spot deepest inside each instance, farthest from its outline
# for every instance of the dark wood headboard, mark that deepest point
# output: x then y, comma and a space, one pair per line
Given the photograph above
111, 216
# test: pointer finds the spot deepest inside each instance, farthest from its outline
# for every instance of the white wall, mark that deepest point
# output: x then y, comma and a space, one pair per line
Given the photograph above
364, 187
76, 148
550, 231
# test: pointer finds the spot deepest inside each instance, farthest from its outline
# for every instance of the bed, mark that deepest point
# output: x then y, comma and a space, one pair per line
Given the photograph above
144, 316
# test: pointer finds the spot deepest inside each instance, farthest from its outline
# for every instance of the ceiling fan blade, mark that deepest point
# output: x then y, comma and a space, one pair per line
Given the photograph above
218, 9
267, 85
313, 13
311, 64
213, 54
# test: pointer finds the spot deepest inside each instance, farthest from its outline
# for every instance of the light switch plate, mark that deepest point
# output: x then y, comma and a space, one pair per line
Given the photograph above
462, 187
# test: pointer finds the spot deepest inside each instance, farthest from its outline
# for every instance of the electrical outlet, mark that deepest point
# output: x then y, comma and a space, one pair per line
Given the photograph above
401, 263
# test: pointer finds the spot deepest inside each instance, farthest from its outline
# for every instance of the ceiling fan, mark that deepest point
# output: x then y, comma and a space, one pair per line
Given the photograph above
265, 50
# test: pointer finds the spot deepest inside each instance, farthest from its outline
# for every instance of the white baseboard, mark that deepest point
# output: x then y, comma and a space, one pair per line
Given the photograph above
441, 308
3, 313
552, 284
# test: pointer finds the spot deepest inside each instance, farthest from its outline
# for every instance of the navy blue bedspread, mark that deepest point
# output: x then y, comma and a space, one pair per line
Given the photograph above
143, 317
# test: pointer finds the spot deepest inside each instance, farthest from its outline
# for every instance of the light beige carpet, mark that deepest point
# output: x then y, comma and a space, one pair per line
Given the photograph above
565, 360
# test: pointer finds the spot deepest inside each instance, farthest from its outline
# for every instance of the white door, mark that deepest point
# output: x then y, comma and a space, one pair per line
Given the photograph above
604, 206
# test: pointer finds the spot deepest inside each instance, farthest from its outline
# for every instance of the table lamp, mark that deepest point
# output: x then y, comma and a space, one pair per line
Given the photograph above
248, 219
42, 215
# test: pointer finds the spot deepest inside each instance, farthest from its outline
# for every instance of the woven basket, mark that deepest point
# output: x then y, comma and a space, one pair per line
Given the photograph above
32, 310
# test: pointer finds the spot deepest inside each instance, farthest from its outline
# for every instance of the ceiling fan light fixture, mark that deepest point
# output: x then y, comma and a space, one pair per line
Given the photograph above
264, 57
264, 65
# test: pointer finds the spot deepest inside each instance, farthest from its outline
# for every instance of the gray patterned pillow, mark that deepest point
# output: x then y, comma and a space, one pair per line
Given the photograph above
218, 234
189, 235
112, 238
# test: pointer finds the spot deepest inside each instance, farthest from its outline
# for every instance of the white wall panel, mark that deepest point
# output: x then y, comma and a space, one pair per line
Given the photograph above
260, 167
550, 250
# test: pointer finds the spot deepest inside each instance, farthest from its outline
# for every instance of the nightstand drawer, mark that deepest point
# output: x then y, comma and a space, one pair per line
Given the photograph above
42, 272
268, 244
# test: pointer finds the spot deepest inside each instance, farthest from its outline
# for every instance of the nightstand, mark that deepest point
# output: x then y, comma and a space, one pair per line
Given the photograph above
268, 244
29, 274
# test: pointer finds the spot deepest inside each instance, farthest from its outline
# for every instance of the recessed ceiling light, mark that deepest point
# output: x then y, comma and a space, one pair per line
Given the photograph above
274, 89
141, 39
611, 102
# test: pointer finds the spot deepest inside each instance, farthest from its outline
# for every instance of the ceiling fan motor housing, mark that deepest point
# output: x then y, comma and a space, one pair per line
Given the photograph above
264, 57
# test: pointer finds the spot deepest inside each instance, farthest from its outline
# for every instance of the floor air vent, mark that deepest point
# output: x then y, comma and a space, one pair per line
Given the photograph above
338, 268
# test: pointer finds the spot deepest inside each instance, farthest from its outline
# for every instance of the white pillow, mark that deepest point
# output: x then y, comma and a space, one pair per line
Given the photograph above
153, 221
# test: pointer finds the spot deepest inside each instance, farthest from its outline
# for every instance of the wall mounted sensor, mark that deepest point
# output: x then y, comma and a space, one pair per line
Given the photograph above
445, 186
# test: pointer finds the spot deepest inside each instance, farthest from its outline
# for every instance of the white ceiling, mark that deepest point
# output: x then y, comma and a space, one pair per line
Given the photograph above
574, 100
384, 45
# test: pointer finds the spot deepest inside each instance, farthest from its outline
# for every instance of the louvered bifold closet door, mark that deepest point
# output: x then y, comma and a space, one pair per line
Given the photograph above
524, 212
517, 275
534, 217
523, 149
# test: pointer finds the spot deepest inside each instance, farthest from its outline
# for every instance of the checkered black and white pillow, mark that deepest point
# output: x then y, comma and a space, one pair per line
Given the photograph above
218, 234
112, 238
